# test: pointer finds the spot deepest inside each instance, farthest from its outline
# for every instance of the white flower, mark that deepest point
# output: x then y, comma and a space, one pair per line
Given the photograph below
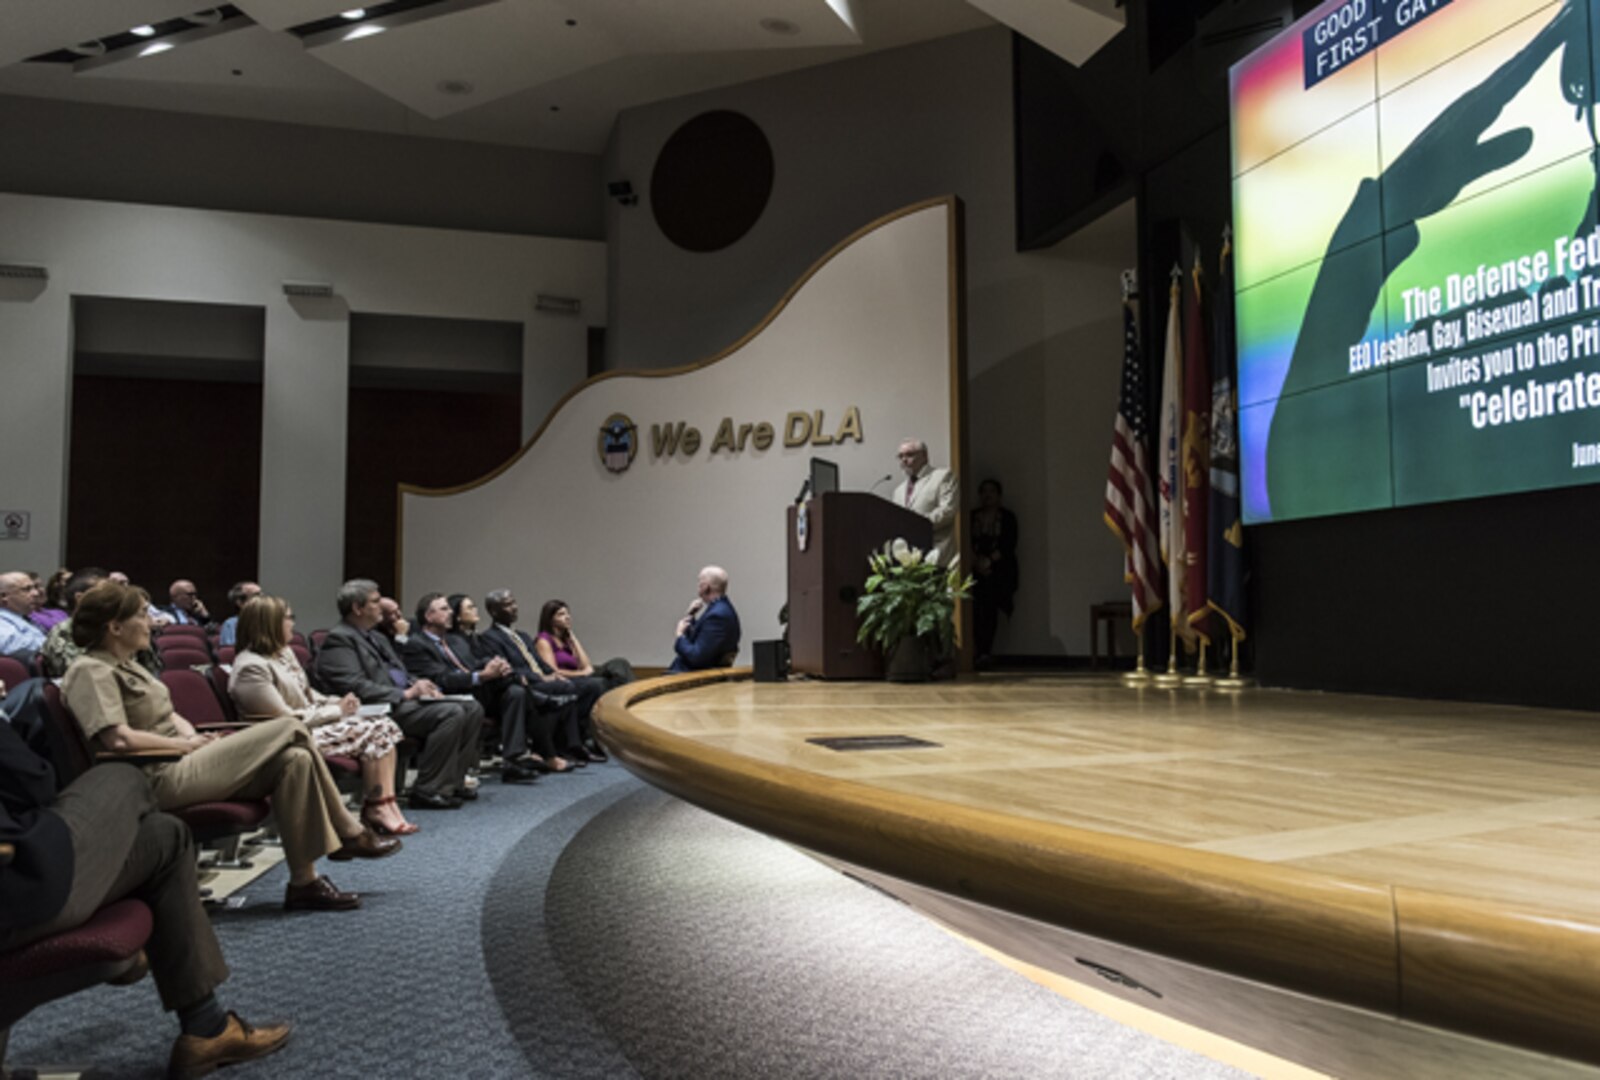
900, 550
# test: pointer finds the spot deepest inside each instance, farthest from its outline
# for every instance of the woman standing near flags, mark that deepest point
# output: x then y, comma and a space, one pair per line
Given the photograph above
994, 549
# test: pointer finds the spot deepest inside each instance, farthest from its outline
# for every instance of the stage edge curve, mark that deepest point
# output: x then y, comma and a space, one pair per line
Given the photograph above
1523, 978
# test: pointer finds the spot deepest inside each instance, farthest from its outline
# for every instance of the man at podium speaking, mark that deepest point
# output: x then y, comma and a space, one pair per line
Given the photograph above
930, 492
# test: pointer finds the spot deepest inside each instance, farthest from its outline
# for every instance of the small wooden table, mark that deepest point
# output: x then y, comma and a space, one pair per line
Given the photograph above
1106, 615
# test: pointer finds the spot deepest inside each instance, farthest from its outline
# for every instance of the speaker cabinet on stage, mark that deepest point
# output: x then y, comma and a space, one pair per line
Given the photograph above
828, 573
771, 660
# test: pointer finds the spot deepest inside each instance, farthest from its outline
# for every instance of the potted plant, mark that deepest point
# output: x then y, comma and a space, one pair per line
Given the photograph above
908, 610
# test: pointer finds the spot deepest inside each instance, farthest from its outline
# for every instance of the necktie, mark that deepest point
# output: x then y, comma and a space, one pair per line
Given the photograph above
445, 648
397, 675
516, 638
911, 483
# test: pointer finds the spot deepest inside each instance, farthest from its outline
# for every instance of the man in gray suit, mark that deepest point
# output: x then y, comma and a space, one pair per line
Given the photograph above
356, 659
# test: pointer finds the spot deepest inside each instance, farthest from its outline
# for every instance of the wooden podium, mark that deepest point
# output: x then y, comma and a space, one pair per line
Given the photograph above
843, 528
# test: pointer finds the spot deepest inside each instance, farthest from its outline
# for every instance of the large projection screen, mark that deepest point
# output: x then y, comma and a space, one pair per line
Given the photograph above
1418, 259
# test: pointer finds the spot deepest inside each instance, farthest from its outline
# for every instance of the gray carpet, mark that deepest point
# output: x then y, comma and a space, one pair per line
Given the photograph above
591, 926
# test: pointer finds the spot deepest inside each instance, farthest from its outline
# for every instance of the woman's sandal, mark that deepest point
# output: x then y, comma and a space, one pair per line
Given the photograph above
369, 818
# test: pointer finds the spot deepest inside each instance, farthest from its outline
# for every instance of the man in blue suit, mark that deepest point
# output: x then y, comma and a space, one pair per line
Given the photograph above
708, 636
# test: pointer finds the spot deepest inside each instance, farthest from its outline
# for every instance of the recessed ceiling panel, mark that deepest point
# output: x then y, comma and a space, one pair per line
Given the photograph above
1072, 29
34, 27
720, 25
451, 63
282, 14
250, 55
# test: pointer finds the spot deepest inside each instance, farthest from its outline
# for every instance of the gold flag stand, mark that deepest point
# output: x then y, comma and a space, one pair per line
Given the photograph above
1233, 680
1171, 678
1201, 679
1140, 675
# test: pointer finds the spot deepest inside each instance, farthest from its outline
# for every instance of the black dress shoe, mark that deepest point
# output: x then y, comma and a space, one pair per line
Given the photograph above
465, 794
432, 800
596, 754
512, 773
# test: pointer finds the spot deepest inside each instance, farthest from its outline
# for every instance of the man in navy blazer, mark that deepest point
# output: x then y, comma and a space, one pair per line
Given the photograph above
708, 636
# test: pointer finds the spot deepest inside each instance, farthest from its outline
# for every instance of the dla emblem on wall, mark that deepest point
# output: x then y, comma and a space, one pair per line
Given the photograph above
619, 442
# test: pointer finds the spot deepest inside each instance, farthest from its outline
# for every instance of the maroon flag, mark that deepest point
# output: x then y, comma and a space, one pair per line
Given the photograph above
1129, 510
1196, 455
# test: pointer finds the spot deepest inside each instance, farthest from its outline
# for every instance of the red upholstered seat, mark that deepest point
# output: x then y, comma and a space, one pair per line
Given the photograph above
225, 654
115, 932
175, 632
193, 697
184, 659
12, 673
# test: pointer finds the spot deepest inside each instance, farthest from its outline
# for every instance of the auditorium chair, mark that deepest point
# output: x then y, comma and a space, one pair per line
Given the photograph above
184, 660
225, 653
194, 642
13, 673
302, 654
105, 948
346, 770
177, 630
317, 638
217, 825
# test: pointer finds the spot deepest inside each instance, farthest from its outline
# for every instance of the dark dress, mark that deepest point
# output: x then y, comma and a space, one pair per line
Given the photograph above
993, 589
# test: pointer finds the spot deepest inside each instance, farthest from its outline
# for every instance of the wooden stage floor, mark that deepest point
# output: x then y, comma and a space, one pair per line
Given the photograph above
1494, 803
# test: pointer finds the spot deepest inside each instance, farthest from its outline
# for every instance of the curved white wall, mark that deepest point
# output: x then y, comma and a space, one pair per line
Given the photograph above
871, 327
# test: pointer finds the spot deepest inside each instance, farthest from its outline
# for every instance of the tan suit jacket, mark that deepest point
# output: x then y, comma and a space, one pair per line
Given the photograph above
264, 687
934, 497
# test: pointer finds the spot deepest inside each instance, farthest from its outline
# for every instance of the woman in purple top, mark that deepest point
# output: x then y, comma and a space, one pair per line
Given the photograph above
55, 602
560, 648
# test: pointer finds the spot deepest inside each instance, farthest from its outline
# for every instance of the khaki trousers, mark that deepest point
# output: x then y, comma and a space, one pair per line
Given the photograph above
276, 758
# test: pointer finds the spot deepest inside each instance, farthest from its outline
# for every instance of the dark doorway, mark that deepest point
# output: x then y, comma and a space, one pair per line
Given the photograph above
164, 480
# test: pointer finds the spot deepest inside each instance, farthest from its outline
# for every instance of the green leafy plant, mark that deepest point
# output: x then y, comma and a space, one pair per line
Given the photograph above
909, 595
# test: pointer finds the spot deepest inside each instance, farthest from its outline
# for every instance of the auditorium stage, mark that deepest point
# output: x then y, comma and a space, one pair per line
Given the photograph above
1397, 872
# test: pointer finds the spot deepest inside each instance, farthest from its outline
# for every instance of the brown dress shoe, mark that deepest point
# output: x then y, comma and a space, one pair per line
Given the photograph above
366, 845
319, 894
193, 1056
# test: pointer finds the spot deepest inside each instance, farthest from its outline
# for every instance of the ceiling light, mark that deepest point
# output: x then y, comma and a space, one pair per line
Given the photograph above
353, 14
155, 47
88, 48
364, 30
143, 31
208, 17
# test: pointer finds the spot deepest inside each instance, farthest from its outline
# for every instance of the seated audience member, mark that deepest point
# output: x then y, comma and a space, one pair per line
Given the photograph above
99, 840
560, 649
267, 682
122, 707
445, 658
54, 610
186, 608
464, 623
392, 623
504, 639
239, 594
60, 650
159, 616
19, 598
708, 635
356, 659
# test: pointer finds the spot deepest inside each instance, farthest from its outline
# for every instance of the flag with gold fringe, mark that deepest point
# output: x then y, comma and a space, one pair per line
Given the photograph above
1226, 570
1196, 455
1129, 511
1170, 479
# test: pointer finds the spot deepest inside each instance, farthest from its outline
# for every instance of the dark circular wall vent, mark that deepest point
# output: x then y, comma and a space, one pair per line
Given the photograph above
711, 181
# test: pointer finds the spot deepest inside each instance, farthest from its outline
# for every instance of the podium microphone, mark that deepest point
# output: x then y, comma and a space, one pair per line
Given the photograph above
874, 487
805, 489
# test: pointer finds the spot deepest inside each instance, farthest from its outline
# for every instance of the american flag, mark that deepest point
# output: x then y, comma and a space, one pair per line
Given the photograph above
1128, 505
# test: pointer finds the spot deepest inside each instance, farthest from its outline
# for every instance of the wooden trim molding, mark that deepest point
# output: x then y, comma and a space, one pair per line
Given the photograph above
1518, 977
